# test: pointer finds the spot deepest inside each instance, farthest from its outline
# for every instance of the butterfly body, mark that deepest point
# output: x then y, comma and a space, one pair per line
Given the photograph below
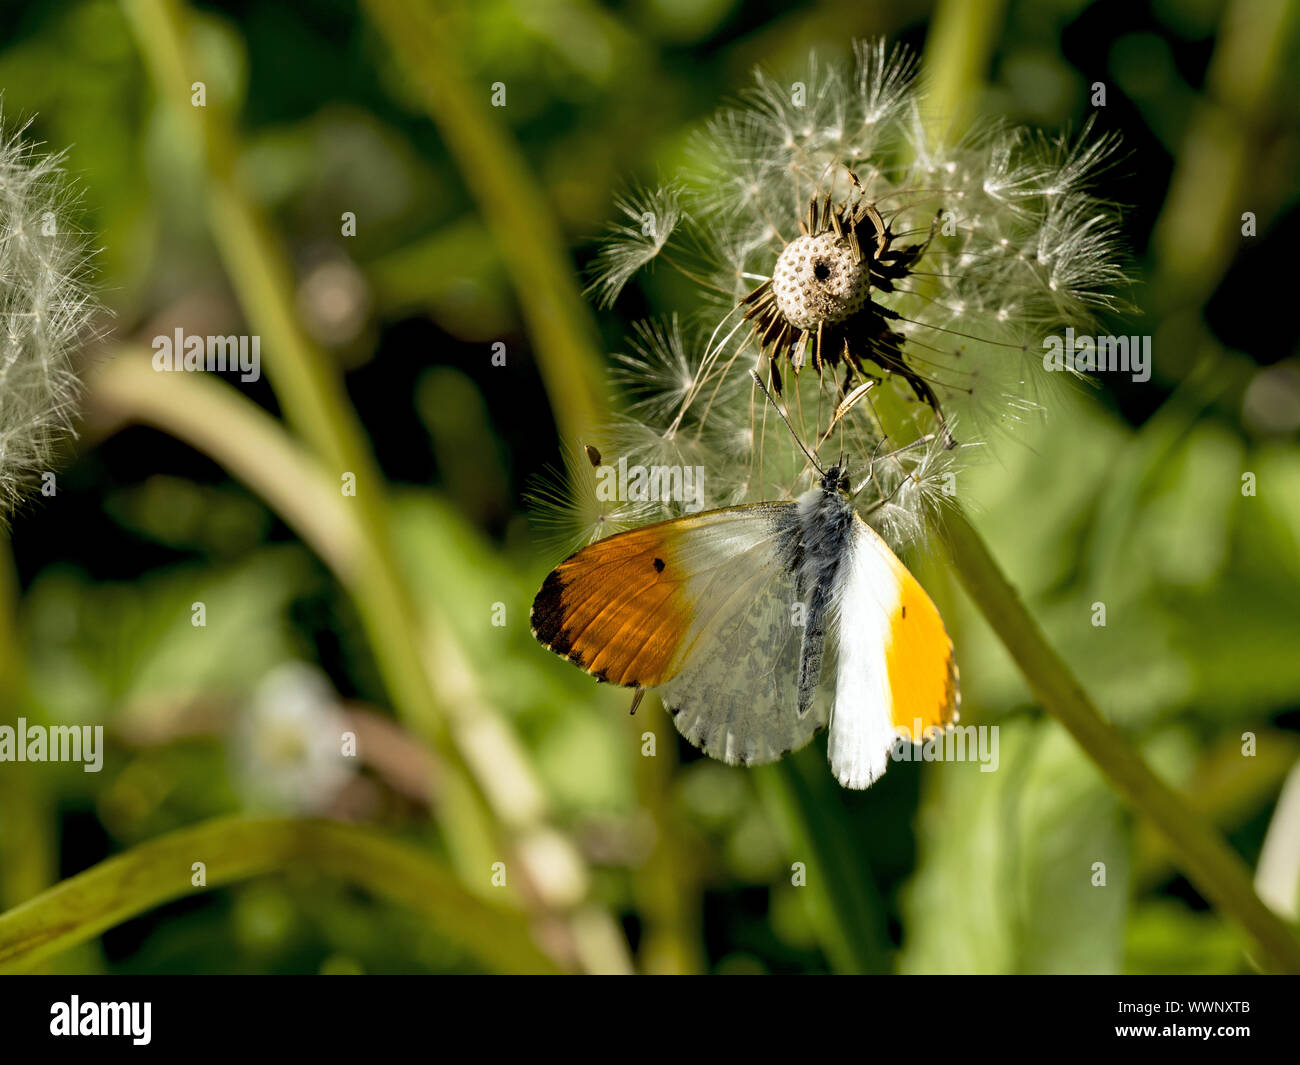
760, 625
824, 521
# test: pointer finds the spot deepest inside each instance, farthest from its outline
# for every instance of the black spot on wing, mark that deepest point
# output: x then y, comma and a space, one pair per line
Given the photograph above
659, 565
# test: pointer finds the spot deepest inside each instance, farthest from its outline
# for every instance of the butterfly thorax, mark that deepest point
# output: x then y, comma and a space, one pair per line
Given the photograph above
824, 524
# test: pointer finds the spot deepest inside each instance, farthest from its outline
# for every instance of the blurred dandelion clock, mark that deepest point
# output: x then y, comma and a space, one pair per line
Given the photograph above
290, 742
45, 312
859, 263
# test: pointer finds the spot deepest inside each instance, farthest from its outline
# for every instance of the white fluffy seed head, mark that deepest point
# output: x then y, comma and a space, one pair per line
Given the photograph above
997, 239
45, 313
816, 280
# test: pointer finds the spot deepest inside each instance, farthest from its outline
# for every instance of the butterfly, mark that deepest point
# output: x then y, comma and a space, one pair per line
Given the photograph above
760, 625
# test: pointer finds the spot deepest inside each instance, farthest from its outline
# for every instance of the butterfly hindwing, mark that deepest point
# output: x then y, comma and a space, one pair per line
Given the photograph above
736, 698
895, 670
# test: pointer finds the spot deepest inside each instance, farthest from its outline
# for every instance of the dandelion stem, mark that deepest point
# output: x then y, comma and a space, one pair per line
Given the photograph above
956, 55
1212, 866
519, 218
957, 51
233, 849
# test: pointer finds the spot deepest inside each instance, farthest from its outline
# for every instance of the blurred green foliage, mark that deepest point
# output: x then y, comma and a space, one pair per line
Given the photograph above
1128, 494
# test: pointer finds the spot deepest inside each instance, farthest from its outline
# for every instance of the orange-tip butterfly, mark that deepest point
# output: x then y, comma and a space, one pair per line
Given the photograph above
759, 625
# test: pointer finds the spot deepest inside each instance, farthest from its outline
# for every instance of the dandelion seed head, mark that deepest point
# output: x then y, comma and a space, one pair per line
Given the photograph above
835, 241
46, 311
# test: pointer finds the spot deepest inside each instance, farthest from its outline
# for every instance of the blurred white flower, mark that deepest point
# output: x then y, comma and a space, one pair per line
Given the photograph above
289, 743
45, 312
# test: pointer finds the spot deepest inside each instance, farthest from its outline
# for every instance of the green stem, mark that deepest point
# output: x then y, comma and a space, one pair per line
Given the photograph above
572, 370
844, 906
28, 853
520, 219
1212, 866
214, 419
958, 47
956, 55
308, 387
233, 849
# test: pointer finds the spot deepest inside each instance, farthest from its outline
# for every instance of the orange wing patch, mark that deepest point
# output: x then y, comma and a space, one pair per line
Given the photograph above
617, 608
922, 672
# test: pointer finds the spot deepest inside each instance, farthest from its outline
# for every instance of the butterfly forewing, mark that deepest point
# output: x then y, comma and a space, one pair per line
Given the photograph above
704, 607
625, 608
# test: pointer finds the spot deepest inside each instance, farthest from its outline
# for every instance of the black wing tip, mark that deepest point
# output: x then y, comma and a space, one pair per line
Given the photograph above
546, 621
547, 614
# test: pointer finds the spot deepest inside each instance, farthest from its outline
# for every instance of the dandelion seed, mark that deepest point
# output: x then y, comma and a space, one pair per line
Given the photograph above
657, 374
652, 216
567, 511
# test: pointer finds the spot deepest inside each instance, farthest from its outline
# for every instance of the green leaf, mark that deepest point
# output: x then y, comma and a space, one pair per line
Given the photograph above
1006, 874
234, 849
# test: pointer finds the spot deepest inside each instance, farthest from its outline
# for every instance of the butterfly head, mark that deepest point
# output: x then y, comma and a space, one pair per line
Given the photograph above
836, 479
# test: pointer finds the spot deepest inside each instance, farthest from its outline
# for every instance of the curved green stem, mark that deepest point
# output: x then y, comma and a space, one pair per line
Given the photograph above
512, 205
957, 51
1216, 870
307, 386
233, 849
214, 419
254, 448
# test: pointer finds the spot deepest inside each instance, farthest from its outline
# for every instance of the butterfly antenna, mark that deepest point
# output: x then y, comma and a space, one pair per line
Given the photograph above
777, 407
